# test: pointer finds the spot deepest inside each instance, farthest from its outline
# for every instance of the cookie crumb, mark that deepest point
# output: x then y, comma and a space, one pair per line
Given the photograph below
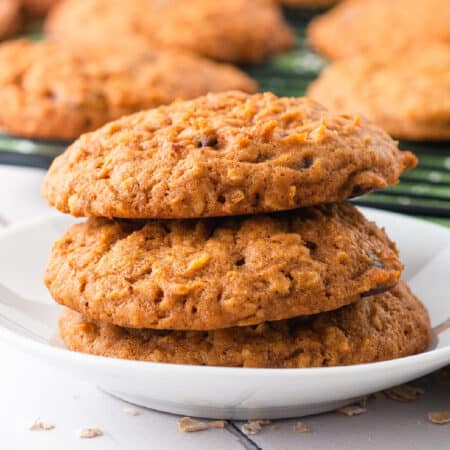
300, 427
439, 417
130, 411
39, 425
254, 426
89, 433
352, 410
250, 428
216, 424
404, 393
188, 425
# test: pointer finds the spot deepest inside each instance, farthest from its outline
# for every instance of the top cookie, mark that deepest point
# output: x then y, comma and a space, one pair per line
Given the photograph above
223, 154
50, 91
233, 30
379, 26
408, 94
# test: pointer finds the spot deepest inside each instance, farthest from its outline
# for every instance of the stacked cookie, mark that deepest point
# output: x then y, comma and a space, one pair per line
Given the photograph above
212, 238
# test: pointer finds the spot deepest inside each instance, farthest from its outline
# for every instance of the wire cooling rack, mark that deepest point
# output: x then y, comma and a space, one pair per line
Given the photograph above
423, 191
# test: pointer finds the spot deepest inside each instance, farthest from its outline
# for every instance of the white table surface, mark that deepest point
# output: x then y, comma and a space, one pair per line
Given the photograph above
29, 389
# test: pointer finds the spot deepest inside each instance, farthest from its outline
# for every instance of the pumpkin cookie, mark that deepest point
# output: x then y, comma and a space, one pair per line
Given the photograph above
386, 326
48, 91
408, 94
223, 154
11, 17
361, 27
233, 31
216, 273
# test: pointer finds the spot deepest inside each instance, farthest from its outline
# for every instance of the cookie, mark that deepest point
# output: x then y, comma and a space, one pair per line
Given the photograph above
11, 18
217, 273
49, 91
223, 154
238, 31
362, 27
408, 94
386, 326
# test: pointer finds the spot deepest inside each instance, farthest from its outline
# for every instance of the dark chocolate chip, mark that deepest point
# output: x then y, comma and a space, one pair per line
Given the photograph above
207, 141
306, 162
311, 245
240, 262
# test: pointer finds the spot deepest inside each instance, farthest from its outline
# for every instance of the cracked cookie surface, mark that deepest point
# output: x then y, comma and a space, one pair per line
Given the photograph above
223, 154
216, 273
385, 326
50, 91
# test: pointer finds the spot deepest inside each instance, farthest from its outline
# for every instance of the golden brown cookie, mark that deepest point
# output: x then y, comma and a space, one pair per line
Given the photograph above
386, 326
407, 94
49, 91
378, 26
11, 17
232, 31
216, 273
223, 154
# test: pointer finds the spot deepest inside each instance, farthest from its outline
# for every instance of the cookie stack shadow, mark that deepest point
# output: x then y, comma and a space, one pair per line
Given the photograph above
218, 233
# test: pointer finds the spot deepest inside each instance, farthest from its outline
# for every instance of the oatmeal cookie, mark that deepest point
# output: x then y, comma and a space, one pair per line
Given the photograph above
362, 27
216, 273
386, 326
50, 91
234, 30
407, 94
223, 154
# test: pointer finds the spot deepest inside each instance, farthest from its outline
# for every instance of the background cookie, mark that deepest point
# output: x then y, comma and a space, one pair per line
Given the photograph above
386, 326
218, 273
50, 91
223, 154
407, 94
377, 26
233, 31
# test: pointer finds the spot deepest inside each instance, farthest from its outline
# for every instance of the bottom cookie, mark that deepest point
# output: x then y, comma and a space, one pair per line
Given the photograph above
385, 326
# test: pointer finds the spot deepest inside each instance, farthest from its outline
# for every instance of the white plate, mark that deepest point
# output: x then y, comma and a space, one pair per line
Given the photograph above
237, 393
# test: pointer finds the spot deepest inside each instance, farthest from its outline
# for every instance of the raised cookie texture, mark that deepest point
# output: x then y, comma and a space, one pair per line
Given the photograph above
216, 273
232, 30
223, 154
361, 27
50, 91
386, 326
406, 94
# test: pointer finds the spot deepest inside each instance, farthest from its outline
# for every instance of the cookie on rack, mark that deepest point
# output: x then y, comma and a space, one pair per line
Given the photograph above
216, 273
223, 154
50, 91
238, 31
408, 94
382, 327
363, 27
